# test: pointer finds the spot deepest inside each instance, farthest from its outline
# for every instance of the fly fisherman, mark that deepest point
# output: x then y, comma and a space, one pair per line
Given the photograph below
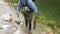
30, 4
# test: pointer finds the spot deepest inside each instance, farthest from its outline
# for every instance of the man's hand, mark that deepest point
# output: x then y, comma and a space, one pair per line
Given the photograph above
18, 14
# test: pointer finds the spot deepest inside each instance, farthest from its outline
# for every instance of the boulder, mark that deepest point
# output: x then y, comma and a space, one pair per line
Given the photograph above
6, 17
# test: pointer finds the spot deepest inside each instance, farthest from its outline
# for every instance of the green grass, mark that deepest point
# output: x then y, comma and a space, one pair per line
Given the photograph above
50, 9
49, 12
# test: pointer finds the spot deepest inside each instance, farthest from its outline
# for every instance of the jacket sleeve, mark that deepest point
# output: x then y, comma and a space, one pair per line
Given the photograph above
33, 6
19, 6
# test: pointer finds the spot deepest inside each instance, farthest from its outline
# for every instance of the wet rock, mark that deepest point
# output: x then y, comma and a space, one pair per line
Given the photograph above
6, 17
7, 29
